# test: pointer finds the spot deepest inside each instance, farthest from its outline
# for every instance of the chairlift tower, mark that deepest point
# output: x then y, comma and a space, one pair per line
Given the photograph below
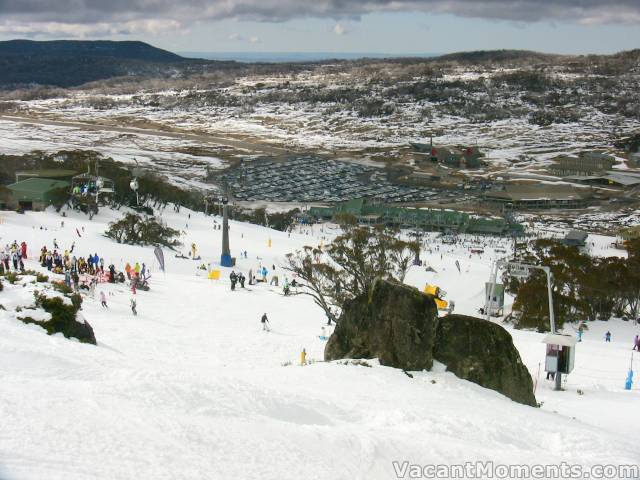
225, 258
135, 185
523, 270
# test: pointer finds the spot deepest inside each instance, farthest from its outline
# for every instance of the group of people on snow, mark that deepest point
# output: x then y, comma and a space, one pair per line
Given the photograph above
13, 255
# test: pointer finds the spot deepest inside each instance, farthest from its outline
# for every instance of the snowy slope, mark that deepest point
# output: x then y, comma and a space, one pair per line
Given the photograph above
192, 388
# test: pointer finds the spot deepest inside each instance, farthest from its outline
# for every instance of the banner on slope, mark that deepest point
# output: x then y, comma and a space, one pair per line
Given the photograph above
160, 257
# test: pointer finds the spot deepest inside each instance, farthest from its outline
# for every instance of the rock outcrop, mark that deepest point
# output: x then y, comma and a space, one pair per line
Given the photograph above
65, 318
397, 324
483, 353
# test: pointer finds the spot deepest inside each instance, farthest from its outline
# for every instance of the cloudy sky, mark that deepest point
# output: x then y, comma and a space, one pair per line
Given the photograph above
386, 26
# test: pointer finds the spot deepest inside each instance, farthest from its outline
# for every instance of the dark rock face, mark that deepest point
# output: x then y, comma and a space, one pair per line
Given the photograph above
397, 324
65, 318
483, 353
70, 329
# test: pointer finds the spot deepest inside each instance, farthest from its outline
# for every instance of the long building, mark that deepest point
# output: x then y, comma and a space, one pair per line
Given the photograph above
448, 221
587, 164
538, 196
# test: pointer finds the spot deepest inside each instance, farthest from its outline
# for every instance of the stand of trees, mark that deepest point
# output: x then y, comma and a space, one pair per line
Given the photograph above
349, 266
133, 229
584, 287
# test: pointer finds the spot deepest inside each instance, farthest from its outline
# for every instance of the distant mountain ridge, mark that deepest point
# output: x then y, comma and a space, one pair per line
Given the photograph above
132, 50
67, 63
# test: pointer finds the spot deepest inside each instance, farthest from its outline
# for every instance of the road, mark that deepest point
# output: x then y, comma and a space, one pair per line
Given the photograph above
196, 137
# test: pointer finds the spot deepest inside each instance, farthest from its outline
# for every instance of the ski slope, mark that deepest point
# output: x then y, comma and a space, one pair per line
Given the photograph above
192, 388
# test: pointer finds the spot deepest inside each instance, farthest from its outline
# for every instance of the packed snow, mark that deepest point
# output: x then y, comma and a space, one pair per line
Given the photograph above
193, 388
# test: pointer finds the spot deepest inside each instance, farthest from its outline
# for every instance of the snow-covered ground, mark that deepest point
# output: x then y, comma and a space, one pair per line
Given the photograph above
192, 388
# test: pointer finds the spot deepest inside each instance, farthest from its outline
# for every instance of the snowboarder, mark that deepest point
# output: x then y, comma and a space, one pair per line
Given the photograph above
264, 321
607, 336
103, 299
134, 306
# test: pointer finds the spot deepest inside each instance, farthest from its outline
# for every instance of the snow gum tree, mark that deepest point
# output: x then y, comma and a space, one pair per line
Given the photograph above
350, 265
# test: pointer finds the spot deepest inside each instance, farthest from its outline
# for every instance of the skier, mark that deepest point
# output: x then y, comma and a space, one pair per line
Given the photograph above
103, 299
234, 278
607, 336
133, 307
241, 279
264, 321
580, 332
636, 343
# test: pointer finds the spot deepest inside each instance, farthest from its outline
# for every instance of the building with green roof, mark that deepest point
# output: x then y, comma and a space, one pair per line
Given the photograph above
37, 193
448, 221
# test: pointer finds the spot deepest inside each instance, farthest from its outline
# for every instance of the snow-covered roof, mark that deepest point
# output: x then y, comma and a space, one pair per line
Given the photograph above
555, 339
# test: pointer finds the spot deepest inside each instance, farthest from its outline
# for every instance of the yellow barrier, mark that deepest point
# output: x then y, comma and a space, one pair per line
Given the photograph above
214, 275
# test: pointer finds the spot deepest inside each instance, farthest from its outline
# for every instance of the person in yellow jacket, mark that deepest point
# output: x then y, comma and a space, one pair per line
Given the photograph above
136, 269
303, 357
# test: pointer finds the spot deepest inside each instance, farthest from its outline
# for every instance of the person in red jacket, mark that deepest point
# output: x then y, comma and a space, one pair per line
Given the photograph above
23, 246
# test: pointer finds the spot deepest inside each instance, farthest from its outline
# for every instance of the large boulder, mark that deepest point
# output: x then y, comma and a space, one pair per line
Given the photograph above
483, 353
396, 324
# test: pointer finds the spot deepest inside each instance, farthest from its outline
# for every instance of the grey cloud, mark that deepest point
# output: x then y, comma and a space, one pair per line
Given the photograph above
27, 14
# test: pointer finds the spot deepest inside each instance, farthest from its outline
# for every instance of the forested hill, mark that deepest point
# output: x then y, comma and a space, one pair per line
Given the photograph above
67, 63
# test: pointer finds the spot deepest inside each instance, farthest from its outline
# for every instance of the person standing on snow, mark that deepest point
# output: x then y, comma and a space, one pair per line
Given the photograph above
265, 321
636, 343
103, 299
234, 278
607, 336
580, 332
134, 306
